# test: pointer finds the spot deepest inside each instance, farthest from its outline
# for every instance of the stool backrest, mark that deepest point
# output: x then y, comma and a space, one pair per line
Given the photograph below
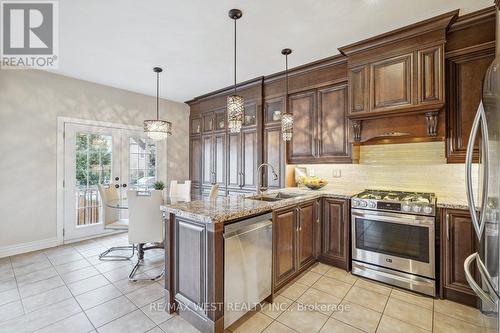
180, 192
145, 219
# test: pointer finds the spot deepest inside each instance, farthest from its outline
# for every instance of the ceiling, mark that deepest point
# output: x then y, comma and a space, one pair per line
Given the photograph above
118, 42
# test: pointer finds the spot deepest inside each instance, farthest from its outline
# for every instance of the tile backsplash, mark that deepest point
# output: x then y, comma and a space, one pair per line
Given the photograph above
412, 167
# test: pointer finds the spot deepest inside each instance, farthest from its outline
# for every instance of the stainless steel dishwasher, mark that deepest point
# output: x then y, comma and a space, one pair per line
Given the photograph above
247, 265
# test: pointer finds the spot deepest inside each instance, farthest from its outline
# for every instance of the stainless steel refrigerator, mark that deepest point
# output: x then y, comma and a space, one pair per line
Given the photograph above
484, 196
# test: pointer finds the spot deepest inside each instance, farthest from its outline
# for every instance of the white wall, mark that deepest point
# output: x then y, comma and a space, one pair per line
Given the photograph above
30, 102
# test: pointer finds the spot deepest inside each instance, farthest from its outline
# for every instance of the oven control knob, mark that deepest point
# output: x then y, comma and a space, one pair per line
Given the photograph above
355, 203
363, 203
406, 207
427, 209
372, 204
417, 208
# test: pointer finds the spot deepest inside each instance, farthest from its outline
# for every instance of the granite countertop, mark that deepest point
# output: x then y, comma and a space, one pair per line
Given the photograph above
452, 201
232, 208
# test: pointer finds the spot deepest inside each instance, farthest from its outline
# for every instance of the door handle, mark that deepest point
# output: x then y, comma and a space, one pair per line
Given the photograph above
484, 296
124, 185
479, 119
117, 186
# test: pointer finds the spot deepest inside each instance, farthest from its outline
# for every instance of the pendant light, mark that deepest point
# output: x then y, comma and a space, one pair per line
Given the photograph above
235, 102
157, 129
286, 118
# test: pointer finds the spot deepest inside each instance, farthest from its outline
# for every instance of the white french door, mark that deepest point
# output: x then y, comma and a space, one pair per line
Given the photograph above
113, 156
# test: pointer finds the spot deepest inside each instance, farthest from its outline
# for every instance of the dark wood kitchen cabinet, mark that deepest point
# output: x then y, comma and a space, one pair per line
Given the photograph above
242, 159
307, 220
195, 149
294, 245
213, 151
284, 244
458, 241
335, 231
469, 52
302, 147
273, 144
320, 130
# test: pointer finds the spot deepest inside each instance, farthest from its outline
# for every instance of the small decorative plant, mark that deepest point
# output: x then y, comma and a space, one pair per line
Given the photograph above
159, 185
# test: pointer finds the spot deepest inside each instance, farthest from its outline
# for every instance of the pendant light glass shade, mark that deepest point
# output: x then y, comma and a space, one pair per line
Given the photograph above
235, 109
157, 129
286, 118
235, 102
287, 126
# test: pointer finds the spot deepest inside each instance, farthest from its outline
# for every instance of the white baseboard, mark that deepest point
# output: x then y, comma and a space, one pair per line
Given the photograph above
10, 250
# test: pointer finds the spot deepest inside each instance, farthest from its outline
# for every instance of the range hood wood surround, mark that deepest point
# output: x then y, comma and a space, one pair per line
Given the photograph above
399, 73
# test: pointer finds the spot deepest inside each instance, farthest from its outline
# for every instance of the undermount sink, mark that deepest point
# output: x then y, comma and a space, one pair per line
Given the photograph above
271, 197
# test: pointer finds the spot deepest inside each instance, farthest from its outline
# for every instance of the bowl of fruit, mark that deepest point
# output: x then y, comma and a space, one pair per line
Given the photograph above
314, 183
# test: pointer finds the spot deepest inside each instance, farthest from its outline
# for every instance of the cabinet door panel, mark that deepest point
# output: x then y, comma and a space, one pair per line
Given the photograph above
220, 158
284, 233
430, 73
249, 158
208, 122
274, 155
307, 224
332, 122
358, 83
196, 158
233, 169
335, 232
458, 242
207, 176
464, 77
391, 82
190, 261
302, 146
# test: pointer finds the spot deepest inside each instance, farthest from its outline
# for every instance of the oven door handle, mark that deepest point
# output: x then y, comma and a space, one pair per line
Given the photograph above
396, 218
486, 278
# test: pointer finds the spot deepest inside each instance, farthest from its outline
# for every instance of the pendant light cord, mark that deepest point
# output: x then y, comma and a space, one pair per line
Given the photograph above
235, 57
157, 96
286, 74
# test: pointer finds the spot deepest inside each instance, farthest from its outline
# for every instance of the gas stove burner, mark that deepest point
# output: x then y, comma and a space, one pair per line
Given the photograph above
396, 201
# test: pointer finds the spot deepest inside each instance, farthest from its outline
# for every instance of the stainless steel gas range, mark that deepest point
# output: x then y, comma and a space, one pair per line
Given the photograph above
393, 238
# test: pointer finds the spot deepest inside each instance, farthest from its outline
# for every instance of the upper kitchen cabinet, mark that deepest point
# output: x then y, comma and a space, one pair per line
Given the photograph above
273, 144
320, 130
470, 49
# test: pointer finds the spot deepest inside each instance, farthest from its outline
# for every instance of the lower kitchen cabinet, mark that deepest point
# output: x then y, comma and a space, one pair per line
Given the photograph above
285, 244
335, 232
458, 241
295, 233
306, 231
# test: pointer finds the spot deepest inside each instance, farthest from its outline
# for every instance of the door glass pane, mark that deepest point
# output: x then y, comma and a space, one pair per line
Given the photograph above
250, 115
273, 111
195, 126
406, 241
142, 163
93, 167
220, 120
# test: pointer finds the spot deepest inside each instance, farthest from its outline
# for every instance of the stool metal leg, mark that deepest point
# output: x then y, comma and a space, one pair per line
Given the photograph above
105, 256
140, 261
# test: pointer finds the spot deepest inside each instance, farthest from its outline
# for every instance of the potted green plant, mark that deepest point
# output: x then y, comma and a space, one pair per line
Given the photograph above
159, 185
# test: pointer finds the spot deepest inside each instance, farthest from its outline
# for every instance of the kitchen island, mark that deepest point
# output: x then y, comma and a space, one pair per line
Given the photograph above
194, 251
308, 226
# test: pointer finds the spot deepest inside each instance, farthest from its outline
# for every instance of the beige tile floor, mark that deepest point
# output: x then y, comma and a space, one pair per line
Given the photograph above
67, 289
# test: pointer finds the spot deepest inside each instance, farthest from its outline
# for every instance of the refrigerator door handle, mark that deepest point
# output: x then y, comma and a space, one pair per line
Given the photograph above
479, 119
483, 295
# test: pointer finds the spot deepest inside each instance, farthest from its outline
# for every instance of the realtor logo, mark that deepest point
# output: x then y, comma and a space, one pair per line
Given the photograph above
29, 34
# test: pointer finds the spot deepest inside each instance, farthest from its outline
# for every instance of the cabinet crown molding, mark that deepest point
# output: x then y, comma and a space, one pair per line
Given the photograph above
440, 22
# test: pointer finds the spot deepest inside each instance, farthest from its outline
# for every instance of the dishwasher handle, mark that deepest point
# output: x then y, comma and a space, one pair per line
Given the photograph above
247, 225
